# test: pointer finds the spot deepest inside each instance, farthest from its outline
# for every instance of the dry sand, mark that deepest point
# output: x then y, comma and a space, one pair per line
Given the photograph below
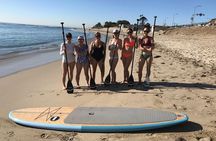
183, 80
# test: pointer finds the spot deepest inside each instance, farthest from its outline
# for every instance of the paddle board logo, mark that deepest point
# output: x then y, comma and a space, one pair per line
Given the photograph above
49, 114
55, 118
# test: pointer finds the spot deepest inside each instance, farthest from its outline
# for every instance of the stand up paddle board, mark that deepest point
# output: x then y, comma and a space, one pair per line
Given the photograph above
96, 119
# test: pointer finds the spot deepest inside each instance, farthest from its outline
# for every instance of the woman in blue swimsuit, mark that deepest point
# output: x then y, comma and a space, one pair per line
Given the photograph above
81, 60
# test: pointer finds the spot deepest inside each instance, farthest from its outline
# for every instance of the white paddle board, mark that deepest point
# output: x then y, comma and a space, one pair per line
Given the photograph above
96, 119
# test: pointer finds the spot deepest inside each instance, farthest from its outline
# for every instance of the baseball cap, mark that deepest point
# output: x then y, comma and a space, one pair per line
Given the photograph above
115, 31
80, 38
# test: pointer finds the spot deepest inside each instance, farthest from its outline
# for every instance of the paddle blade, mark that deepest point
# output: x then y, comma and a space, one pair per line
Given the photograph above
70, 87
92, 84
146, 84
107, 79
130, 80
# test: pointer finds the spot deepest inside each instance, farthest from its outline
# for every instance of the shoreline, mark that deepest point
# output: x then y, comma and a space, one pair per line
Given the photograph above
19, 63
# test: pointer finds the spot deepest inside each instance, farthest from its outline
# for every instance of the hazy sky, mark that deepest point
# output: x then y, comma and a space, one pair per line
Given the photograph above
76, 12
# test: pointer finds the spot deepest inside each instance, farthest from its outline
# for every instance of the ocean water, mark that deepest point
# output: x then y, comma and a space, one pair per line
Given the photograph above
30, 45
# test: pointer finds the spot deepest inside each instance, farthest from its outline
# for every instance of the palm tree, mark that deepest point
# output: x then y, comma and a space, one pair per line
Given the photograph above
142, 19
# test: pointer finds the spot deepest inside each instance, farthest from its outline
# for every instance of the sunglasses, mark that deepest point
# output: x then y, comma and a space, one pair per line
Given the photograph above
98, 36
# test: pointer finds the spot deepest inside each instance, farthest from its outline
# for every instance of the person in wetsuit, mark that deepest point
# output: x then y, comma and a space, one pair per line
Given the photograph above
146, 45
127, 52
97, 55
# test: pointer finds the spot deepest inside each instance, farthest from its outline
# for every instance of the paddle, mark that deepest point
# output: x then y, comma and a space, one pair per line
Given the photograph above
92, 82
155, 17
131, 78
107, 79
70, 87
106, 42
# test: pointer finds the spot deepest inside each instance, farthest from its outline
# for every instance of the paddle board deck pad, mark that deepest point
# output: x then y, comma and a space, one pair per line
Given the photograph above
96, 119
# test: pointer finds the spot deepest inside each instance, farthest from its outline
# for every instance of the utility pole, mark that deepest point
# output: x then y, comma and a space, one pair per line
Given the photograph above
194, 14
173, 22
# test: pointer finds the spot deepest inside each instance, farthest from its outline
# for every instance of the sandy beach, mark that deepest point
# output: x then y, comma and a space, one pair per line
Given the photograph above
183, 80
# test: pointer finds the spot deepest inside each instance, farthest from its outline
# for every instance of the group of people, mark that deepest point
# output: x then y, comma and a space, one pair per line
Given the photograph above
82, 55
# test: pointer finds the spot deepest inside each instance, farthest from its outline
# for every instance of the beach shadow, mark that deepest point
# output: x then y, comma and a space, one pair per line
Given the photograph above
183, 85
123, 87
184, 127
140, 88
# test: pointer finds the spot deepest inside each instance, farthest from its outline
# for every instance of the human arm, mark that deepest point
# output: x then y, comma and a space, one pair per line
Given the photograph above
110, 45
62, 49
119, 44
146, 44
91, 47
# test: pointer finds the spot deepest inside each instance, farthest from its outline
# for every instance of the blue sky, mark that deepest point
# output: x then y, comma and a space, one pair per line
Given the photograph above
76, 12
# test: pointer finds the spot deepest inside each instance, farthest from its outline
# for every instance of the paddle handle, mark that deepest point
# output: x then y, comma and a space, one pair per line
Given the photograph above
107, 32
65, 50
155, 17
84, 30
106, 42
85, 34
134, 47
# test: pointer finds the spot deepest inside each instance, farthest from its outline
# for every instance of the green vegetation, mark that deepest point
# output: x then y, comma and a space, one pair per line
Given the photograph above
142, 22
98, 25
112, 24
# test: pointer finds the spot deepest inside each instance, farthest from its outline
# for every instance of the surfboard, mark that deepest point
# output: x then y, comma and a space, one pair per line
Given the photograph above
96, 119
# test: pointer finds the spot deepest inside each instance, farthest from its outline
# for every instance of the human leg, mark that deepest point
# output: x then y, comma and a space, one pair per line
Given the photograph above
86, 71
124, 64
71, 69
64, 73
127, 64
101, 66
141, 65
148, 69
78, 71
94, 67
114, 64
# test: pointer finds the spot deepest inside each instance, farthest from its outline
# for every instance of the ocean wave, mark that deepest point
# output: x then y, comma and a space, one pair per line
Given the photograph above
16, 51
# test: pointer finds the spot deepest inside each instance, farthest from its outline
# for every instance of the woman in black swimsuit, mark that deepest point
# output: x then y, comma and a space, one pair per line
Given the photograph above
97, 55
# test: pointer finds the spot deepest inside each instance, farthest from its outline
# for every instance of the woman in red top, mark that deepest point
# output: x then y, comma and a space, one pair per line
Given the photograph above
146, 45
127, 52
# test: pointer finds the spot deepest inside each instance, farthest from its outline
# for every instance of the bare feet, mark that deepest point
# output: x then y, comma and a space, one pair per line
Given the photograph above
64, 88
